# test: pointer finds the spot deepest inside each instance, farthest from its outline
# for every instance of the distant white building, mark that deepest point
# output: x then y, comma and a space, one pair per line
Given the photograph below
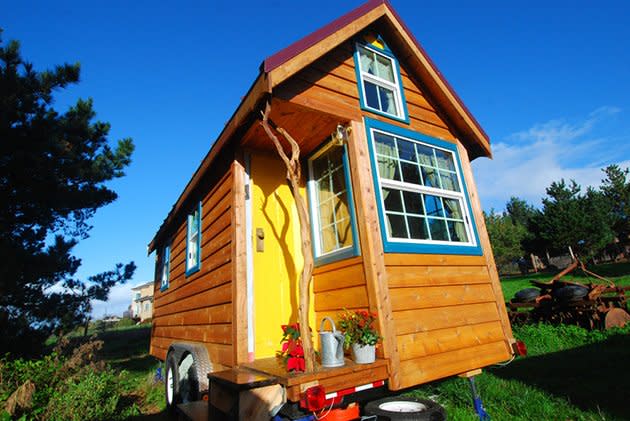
142, 301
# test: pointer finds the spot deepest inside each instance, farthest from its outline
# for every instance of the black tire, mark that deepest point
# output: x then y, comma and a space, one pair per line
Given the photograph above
385, 409
188, 390
571, 293
526, 295
181, 377
171, 381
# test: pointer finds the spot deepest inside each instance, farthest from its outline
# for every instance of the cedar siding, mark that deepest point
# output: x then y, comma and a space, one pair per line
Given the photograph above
338, 286
198, 307
330, 85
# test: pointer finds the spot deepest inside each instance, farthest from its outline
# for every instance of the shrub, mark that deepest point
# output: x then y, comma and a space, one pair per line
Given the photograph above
93, 396
68, 384
126, 322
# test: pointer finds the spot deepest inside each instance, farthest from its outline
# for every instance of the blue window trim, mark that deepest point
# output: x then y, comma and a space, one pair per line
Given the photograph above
357, 69
166, 261
353, 251
393, 246
197, 266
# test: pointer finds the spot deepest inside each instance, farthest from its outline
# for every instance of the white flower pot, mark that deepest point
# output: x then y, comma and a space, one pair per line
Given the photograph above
364, 354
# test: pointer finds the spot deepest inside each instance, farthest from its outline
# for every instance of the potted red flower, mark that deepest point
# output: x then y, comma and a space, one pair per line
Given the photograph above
360, 334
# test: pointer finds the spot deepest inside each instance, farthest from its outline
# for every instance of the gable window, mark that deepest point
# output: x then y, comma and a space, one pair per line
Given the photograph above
331, 205
380, 86
423, 203
166, 268
193, 241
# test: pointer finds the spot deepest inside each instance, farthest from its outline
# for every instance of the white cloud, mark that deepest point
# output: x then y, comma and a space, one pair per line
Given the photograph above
119, 300
526, 162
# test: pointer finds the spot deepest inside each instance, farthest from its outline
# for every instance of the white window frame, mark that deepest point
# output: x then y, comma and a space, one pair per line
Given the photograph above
396, 87
314, 206
166, 268
193, 238
416, 188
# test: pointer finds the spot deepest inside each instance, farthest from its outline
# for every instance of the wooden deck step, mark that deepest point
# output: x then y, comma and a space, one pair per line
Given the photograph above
243, 394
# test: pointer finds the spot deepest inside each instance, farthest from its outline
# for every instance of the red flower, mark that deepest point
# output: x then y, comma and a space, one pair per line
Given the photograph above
298, 351
295, 363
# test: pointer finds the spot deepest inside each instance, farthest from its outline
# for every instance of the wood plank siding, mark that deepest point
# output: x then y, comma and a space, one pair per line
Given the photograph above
445, 316
337, 286
329, 85
199, 307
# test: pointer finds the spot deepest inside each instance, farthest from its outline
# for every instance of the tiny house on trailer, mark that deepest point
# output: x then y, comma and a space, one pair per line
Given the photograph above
395, 218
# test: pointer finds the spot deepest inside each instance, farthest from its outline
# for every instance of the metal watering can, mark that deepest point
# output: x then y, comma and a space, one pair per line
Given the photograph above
332, 345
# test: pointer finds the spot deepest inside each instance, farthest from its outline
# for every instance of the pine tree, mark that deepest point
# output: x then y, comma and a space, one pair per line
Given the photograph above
53, 172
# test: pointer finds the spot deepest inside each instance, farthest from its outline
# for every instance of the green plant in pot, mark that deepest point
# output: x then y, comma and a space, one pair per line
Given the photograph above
360, 334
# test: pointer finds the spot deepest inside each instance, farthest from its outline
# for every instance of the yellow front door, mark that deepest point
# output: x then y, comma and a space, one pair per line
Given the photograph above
277, 259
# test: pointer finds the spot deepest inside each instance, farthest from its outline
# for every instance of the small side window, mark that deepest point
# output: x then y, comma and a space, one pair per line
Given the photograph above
193, 242
331, 206
166, 268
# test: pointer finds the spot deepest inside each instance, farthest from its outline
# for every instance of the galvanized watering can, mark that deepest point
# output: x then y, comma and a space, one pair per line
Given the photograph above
332, 345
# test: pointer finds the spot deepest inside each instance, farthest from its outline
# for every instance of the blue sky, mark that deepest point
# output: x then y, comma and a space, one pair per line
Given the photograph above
549, 82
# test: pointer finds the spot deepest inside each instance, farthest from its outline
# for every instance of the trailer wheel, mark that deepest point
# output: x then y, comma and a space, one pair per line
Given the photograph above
401, 408
171, 382
181, 381
188, 382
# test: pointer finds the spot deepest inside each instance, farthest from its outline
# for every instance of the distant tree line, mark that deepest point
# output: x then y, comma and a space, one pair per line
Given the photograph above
588, 222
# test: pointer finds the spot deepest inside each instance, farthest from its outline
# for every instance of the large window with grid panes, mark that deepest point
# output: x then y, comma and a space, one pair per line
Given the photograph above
423, 203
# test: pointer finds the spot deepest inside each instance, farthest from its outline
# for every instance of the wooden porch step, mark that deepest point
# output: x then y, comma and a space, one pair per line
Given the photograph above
240, 393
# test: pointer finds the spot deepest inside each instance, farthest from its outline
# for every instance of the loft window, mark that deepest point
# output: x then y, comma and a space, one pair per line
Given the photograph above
193, 241
166, 268
331, 206
423, 204
379, 81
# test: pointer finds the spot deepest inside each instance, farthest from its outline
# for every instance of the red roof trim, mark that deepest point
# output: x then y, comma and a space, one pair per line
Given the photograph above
297, 47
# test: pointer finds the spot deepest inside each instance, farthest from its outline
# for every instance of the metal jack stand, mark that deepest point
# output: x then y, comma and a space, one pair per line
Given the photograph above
481, 412
483, 415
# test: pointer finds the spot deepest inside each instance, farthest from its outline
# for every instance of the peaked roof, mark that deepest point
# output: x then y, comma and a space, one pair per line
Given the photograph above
280, 66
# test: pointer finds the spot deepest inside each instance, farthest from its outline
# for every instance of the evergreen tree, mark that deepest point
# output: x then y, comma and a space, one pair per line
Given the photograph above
616, 189
520, 211
506, 238
572, 219
53, 170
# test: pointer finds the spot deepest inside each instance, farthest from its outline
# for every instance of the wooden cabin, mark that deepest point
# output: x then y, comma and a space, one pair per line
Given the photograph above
395, 215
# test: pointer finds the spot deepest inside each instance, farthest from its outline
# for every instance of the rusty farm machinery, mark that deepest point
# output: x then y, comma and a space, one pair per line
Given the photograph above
599, 304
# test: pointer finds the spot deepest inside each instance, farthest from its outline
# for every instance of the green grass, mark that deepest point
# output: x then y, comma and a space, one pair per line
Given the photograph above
127, 350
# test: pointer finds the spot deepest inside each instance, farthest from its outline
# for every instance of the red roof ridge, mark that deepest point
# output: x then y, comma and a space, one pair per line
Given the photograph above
313, 38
